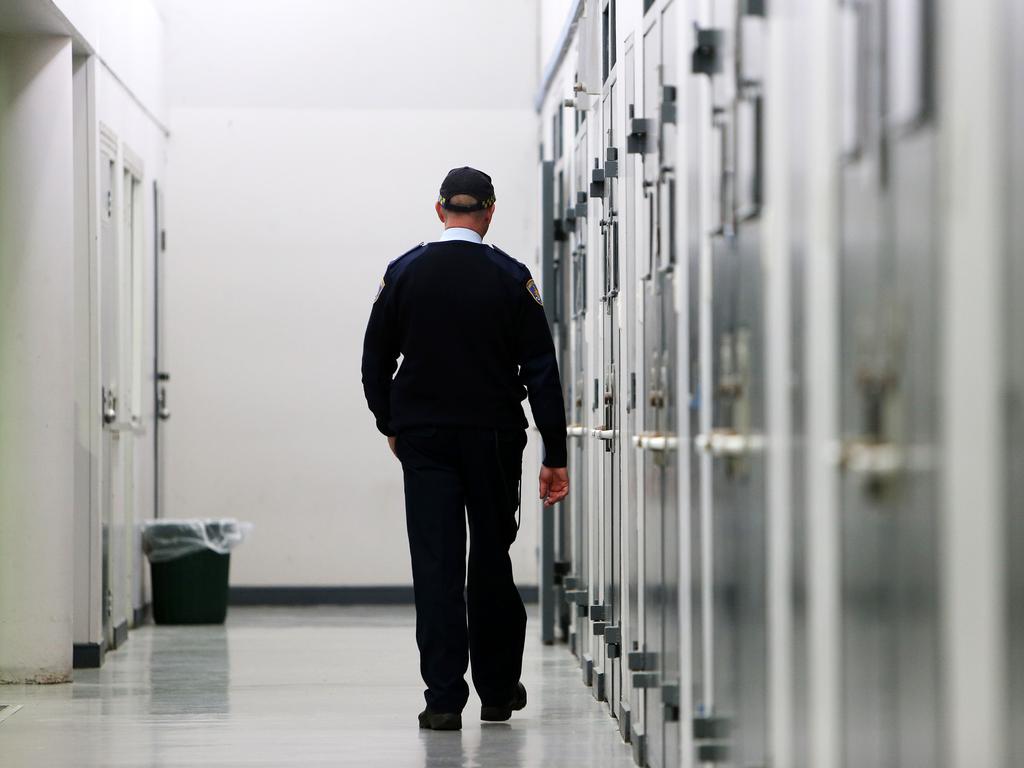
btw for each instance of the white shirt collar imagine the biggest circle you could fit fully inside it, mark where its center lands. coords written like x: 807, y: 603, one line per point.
x: 461, y: 233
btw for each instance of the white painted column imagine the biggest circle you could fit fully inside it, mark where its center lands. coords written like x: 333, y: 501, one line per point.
x: 972, y: 94
x: 821, y: 302
x: 36, y: 360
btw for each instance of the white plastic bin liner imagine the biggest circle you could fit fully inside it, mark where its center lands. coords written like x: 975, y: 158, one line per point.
x: 164, y: 540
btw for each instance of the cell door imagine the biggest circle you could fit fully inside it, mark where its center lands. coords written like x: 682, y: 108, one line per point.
x: 563, y: 299
x: 738, y: 420
x: 112, y: 469
x: 579, y: 589
x: 888, y: 316
x: 627, y: 633
x: 604, y: 187
x: 672, y: 400
x: 1014, y: 469
x: 695, y: 102
x: 655, y: 667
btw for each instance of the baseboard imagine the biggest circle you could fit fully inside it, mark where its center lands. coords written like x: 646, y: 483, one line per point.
x: 88, y: 655
x: 355, y: 595
x: 120, y: 634
x: 142, y: 615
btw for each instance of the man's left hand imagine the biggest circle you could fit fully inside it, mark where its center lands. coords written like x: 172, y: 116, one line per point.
x: 391, y: 445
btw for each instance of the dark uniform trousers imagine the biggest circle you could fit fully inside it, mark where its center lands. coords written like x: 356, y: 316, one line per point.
x: 449, y: 472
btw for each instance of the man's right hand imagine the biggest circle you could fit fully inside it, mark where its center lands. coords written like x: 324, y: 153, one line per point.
x: 554, y: 485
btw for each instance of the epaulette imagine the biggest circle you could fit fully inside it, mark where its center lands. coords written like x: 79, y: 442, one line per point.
x: 407, y: 253
x: 515, y: 262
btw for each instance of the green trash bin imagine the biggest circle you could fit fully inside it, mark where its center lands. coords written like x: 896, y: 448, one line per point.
x: 189, y: 564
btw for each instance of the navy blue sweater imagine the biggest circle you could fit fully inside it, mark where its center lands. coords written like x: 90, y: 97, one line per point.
x: 469, y: 324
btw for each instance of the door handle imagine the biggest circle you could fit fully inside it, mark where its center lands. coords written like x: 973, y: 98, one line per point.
x: 726, y: 443
x: 871, y: 459
x: 604, y: 434
x: 655, y: 442
x: 575, y: 430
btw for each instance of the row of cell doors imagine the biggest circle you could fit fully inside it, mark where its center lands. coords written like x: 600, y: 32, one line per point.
x: 617, y: 316
x: 663, y: 546
x: 131, y: 401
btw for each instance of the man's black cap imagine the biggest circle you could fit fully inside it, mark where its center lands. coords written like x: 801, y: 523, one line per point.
x: 467, y: 181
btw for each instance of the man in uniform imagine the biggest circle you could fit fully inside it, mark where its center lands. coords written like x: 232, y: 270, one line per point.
x: 469, y: 323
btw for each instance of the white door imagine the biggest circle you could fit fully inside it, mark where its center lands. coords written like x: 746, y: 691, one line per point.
x: 115, y: 619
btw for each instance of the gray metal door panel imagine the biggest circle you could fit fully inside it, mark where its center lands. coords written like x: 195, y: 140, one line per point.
x: 581, y: 400
x: 662, y: 507
x: 628, y: 400
x: 796, y: 126
x: 674, y: 401
x: 888, y: 317
x: 738, y: 476
x: 605, y: 187
x: 653, y: 422
x: 697, y: 230
x: 563, y: 311
x: 1015, y: 369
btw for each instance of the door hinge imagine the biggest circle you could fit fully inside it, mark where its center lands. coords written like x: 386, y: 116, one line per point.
x: 611, y: 163
x: 706, y: 58
x: 640, y: 129
x: 642, y: 661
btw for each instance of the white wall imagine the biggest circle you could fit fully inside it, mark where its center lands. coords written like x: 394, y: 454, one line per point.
x: 308, y: 142
x: 36, y: 360
x: 128, y: 37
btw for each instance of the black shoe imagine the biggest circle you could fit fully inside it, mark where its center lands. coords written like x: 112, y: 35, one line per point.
x: 440, y: 721
x: 501, y: 713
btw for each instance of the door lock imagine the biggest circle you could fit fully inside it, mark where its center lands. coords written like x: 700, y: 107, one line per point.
x: 108, y: 406
x: 162, y: 411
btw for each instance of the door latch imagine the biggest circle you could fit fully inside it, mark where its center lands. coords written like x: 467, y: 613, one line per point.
x: 162, y: 412
x: 108, y: 406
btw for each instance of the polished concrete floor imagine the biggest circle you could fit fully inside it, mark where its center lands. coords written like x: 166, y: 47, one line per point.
x: 295, y: 687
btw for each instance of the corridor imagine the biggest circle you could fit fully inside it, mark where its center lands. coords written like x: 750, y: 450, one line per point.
x: 322, y: 686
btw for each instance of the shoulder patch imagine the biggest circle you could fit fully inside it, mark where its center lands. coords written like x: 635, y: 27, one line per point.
x: 532, y: 288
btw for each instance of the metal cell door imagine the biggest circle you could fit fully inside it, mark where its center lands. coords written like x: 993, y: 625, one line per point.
x: 627, y: 633
x: 656, y: 666
x: 604, y: 187
x: 695, y: 103
x: 112, y: 475
x: 672, y: 400
x: 643, y: 659
x: 563, y: 313
x: 735, y: 440
x: 889, y: 586
x: 796, y: 135
x: 1014, y: 285
x: 578, y: 583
